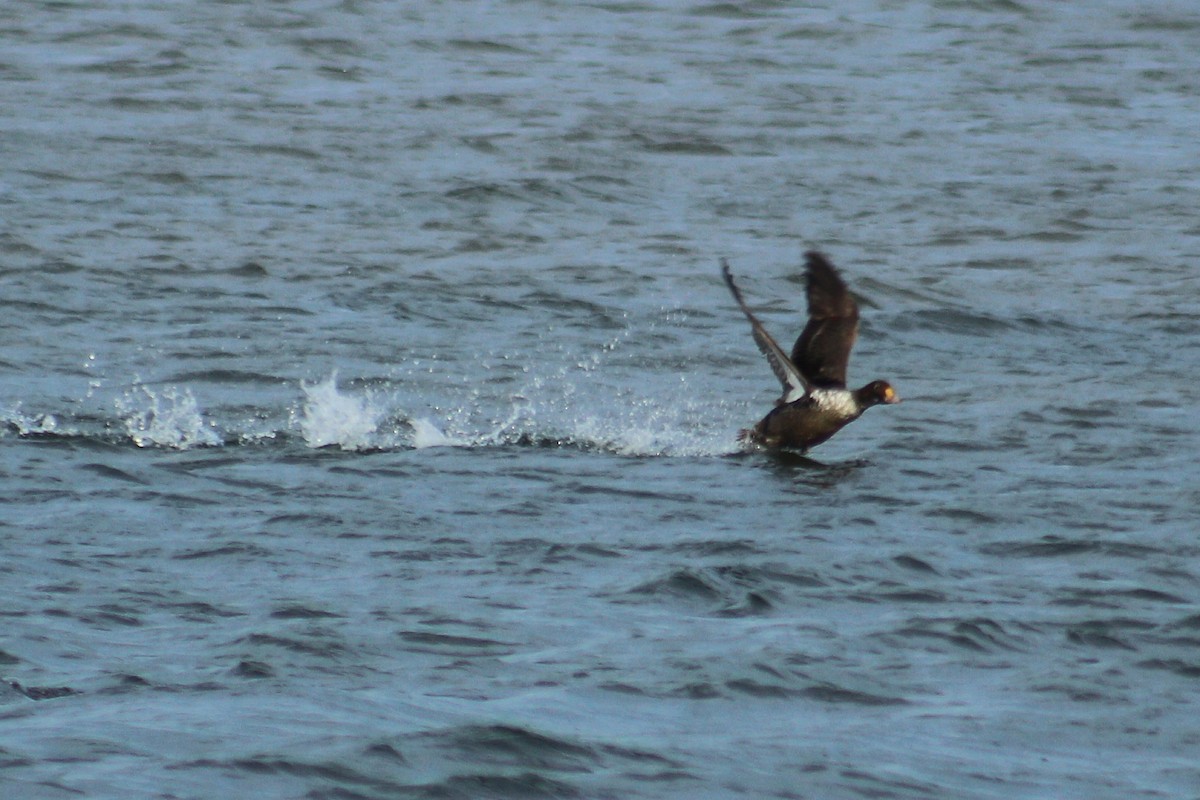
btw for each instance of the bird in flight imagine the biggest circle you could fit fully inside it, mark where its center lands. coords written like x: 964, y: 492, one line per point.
x: 815, y: 403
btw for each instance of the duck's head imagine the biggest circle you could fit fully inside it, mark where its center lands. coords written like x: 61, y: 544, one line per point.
x: 878, y: 393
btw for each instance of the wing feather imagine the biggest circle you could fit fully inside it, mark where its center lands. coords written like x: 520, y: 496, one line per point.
x: 822, y: 351
x: 794, y: 385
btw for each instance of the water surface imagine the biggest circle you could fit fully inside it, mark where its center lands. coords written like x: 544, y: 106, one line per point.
x: 370, y: 398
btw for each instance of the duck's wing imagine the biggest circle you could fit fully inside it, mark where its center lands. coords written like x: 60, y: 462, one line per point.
x: 823, y: 349
x: 794, y: 385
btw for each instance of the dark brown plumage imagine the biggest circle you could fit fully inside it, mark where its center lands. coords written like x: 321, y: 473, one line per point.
x: 822, y: 350
x: 816, y: 403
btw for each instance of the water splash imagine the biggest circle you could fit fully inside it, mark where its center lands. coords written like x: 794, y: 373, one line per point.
x: 427, y: 434
x: 569, y: 392
x: 27, y: 425
x: 573, y: 405
x: 167, y: 418
x: 330, y: 417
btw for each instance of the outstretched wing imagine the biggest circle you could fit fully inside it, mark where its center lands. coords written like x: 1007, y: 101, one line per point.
x: 823, y: 349
x: 794, y: 385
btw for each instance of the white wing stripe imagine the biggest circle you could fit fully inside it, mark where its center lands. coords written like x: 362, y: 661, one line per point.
x: 794, y: 385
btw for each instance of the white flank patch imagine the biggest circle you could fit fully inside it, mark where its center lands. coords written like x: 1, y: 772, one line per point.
x: 838, y: 401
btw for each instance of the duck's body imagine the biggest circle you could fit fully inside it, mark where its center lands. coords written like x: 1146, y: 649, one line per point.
x: 809, y: 421
x: 816, y: 403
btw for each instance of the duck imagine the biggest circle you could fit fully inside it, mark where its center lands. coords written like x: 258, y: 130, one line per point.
x: 815, y: 403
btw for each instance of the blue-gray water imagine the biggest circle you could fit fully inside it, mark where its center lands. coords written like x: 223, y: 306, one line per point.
x: 370, y: 399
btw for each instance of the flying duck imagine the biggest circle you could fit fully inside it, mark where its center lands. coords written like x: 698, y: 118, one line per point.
x: 816, y: 403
